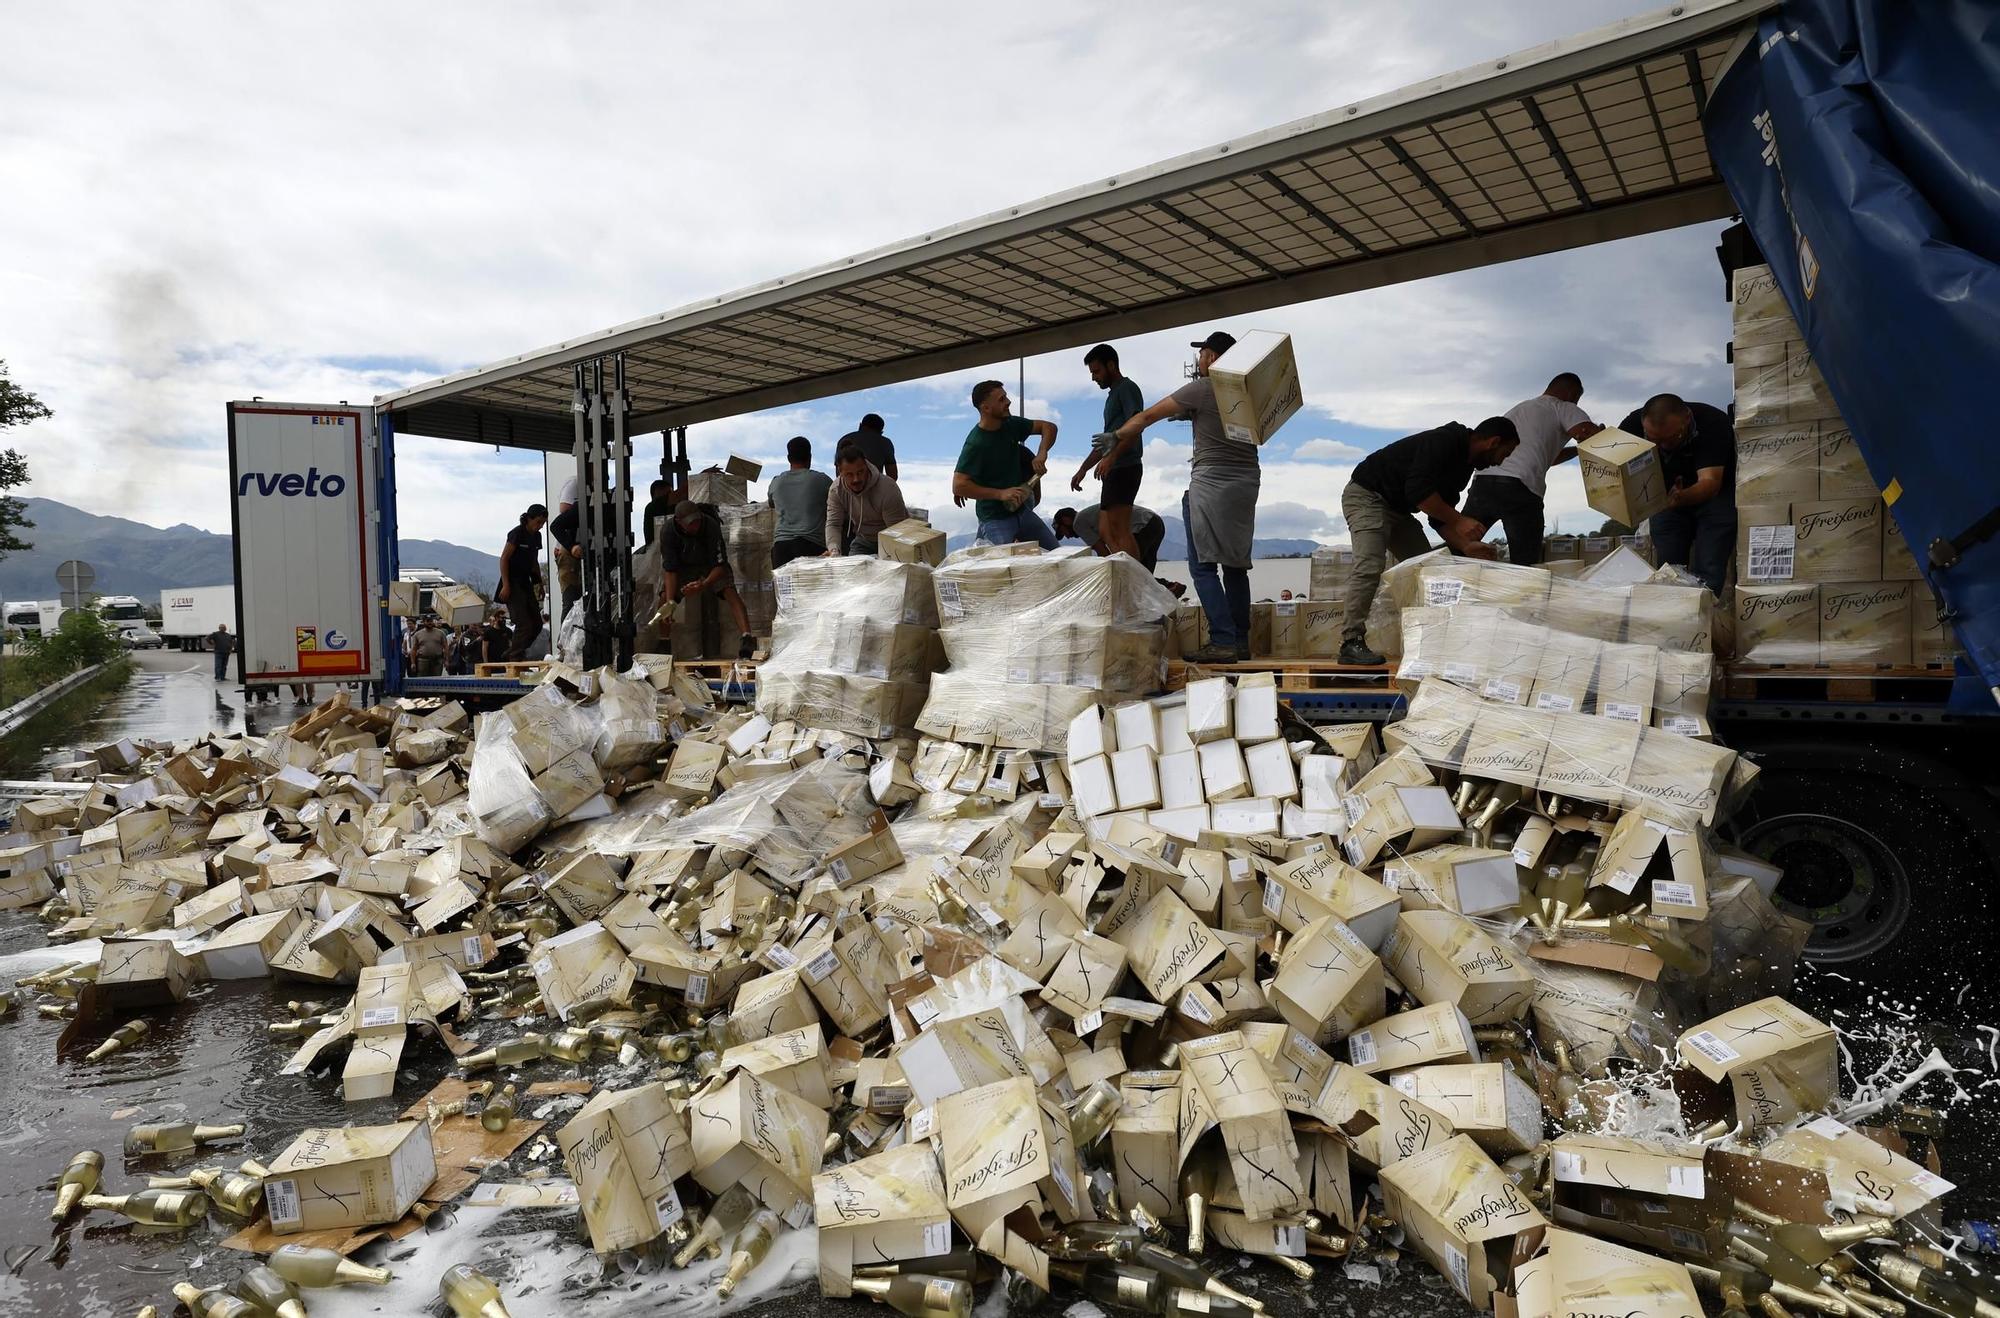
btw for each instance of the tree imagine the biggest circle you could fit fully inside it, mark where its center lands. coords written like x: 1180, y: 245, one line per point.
x: 81, y: 639
x: 17, y: 408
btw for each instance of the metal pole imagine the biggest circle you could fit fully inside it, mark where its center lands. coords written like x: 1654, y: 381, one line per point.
x: 620, y: 522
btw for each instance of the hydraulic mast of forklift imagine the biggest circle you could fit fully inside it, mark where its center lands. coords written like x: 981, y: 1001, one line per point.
x: 604, y: 512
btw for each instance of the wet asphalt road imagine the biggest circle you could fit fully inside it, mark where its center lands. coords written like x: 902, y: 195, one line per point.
x: 211, y: 1061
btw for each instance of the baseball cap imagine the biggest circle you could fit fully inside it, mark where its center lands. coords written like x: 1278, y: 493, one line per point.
x: 1217, y: 342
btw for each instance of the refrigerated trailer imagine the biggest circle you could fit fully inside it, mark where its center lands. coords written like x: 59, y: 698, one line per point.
x: 1838, y: 129
x: 189, y: 615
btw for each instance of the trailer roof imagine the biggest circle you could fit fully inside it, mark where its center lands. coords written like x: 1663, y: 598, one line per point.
x: 1571, y: 142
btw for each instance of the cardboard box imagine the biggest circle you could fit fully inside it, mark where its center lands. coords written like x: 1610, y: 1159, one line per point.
x: 874, y: 852
x: 1272, y: 773
x: 1838, y: 539
x: 744, y: 467
x: 1759, y: 313
x: 1566, y: 1273
x: 888, y: 1206
x: 624, y: 1149
x: 1004, y: 1149
x: 1462, y: 1214
x: 1135, y: 778
x: 1600, y: 1014
x: 1865, y: 623
x: 1382, y: 1125
x: 1224, y: 776
x: 1256, y: 716
x: 404, y: 599
x: 912, y: 541
x: 1329, y: 983
x: 1485, y: 1100
x: 1622, y: 478
x: 1468, y: 880
x: 1677, y: 780
x: 1778, y: 464
x: 1405, y: 818
x: 1843, y: 473
x: 1428, y: 1036
x: 1211, y: 710
x: 1168, y: 946
x: 1145, y: 1140
x: 1226, y: 1083
x: 1256, y: 386
x: 1442, y: 957
x: 761, y: 1136
x: 1778, y: 1062
x: 141, y: 972
x: 457, y: 605
x: 581, y: 966
x: 352, y: 1176
x: 1777, y: 624
x: 1850, y: 1159
x: 1658, y: 862
x: 246, y: 949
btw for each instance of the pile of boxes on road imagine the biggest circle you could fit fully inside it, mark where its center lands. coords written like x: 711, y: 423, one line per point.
x: 1173, y: 1005
x: 1823, y: 576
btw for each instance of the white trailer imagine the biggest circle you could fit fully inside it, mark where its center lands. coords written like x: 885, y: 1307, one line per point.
x: 189, y: 615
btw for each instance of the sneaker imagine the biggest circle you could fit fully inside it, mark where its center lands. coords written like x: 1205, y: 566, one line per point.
x: 1355, y: 652
x: 1213, y: 654
x: 748, y: 647
x: 1242, y: 654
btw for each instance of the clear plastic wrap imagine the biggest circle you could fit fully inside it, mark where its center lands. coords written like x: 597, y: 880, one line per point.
x: 781, y: 825
x: 543, y: 757
x: 1672, y: 777
x: 1490, y: 652
x: 853, y: 646
x: 749, y: 530
x: 1033, y: 639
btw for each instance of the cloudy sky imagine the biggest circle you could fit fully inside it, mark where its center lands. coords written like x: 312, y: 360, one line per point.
x: 316, y: 202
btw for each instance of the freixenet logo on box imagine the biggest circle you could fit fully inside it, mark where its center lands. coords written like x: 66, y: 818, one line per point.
x: 288, y: 483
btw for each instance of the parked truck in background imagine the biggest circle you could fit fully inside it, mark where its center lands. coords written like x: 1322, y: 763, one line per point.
x: 189, y: 615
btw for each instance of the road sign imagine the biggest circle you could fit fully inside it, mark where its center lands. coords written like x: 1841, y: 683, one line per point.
x: 75, y: 577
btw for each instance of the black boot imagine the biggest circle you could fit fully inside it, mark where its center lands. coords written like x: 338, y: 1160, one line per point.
x: 1358, y: 653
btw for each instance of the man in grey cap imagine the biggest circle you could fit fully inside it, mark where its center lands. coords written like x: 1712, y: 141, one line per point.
x: 1219, y: 508
x: 691, y: 551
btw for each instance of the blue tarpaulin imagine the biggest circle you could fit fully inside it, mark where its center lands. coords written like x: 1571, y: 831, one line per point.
x: 1861, y: 140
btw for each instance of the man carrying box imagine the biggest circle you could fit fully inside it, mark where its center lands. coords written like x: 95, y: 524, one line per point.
x: 989, y: 470
x: 1512, y: 492
x: 1219, y: 509
x: 691, y: 550
x: 861, y: 503
x: 1698, y: 460
x: 1422, y: 473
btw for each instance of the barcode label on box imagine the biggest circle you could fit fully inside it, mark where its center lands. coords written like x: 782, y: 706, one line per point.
x: 1193, y: 1007
x: 1674, y: 894
x: 1773, y: 550
x: 1622, y: 711
x: 1443, y: 592
x: 1089, y: 1021
x: 377, y: 1016
x: 1499, y: 688
x: 923, y: 1125
x: 1461, y: 672
x: 1714, y: 1049
x: 1551, y: 700
x: 1687, y: 1181
x: 948, y: 601
x: 1681, y: 725
x: 783, y: 957
x: 1274, y: 898
x: 697, y: 989
x: 282, y: 1199
x: 1460, y: 1277
x: 473, y: 950
x: 821, y: 966
x: 1624, y: 881
x: 937, y: 1238
x: 1569, y: 1166
x: 841, y: 874
x: 1361, y: 1048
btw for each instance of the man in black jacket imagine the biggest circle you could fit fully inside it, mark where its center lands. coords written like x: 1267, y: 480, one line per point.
x: 1422, y: 473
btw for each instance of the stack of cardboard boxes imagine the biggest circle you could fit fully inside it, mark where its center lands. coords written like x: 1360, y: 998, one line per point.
x: 853, y: 646
x: 1823, y: 576
x: 1034, y: 639
x: 749, y: 530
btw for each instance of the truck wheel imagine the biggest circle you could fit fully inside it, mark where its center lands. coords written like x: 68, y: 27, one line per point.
x: 1889, y: 855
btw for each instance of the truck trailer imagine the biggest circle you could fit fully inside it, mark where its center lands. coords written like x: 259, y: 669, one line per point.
x: 189, y: 615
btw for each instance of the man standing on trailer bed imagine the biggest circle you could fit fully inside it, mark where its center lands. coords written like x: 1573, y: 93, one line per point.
x: 521, y: 578
x: 1511, y: 494
x: 990, y: 470
x: 693, y: 562
x: 1117, y: 462
x: 1219, y: 509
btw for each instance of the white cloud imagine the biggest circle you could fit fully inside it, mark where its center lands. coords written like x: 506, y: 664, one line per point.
x: 1332, y: 449
x: 205, y: 224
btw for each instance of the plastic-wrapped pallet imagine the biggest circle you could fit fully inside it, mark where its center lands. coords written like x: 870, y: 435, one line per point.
x: 1031, y: 640
x: 748, y: 530
x: 852, y: 647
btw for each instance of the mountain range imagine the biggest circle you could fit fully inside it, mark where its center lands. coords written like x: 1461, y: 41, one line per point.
x: 133, y: 558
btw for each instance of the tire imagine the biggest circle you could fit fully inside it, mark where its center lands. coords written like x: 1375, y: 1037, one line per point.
x: 1891, y: 855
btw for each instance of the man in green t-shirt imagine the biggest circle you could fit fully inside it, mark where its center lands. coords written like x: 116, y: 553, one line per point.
x: 1116, y: 461
x: 989, y: 470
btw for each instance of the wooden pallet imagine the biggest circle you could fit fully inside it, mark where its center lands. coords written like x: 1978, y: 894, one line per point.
x: 1840, y: 683
x: 719, y: 670
x: 518, y: 669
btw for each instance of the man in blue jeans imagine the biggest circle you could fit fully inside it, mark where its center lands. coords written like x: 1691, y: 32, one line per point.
x: 989, y: 470
x: 1698, y: 460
